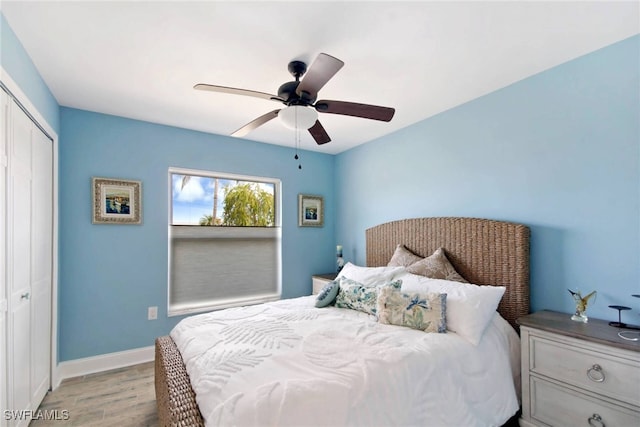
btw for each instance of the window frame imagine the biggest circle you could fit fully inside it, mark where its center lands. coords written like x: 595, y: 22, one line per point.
x: 223, y: 232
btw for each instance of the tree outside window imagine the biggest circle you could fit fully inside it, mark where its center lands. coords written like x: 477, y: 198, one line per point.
x: 196, y: 201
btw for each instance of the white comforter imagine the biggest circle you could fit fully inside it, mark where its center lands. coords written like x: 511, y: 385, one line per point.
x: 288, y: 363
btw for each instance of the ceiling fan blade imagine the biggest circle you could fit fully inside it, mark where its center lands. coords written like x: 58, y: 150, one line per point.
x: 254, y: 124
x: 235, y: 91
x: 319, y: 134
x: 365, y: 111
x: 323, y: 68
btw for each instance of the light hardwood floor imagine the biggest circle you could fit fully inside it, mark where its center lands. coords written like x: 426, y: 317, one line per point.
x: 121, y: 397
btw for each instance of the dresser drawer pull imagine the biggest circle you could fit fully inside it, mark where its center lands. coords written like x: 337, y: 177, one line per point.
x: 595, y: 374
x: 595, y: 420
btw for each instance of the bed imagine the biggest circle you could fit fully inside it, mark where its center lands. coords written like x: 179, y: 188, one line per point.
x: 485, y: 252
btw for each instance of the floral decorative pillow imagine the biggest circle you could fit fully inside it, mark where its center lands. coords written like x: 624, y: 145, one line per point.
x: 356, y: 296
x: 436, y: 266
x: 470, y: 308
x: 425, y: 312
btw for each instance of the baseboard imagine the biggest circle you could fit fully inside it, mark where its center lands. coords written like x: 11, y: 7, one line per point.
x: 103, y: 362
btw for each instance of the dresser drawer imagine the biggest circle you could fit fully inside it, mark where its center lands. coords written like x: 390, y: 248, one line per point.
x: 556, y: 405
x: 584, y: 366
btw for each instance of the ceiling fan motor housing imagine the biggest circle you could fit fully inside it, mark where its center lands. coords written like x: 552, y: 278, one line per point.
x: 288, y: 92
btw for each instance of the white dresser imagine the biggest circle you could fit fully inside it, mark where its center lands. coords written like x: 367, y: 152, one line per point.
x: 577, y: 374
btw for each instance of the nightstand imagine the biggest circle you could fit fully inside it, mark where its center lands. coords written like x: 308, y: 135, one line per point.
x: 577, y: 374
x: 319, y: 280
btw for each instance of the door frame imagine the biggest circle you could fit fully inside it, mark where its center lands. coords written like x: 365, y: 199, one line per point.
x: 24, y: 100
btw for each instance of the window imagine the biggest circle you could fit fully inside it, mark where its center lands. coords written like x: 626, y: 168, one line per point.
x: 224, y: 240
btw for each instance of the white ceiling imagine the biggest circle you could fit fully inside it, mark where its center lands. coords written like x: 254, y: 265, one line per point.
x: 141, y: 59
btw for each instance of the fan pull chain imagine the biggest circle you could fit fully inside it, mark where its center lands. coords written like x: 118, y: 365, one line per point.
x: 297, y: 139
x: 297, y: 145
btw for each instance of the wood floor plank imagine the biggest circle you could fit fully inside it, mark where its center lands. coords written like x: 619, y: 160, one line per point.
x: 123, y: 397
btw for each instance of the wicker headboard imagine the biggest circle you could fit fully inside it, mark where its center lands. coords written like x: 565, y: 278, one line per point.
x: 483, y: 251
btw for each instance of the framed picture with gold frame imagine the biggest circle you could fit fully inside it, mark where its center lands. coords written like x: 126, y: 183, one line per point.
x: 310, y: 210
x: 116, y: 201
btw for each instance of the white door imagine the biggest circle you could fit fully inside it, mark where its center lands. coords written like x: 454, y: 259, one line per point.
x: 41, y: 268
x: 19, y: 254
x: 29, y: 254
x: 4, y: 110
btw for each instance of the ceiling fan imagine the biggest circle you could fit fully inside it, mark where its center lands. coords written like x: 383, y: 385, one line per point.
x: 299, y: 96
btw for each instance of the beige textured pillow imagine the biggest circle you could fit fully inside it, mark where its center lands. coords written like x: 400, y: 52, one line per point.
x: 436, y: 266
x: 403, y: 257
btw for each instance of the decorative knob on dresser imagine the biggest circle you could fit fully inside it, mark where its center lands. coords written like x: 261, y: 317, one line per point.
x: 595, y: 373
x: 595, y: 420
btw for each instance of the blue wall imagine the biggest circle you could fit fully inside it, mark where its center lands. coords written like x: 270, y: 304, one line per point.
x: 17, y: 63
x: 559, y: 151
x: 110, y: 274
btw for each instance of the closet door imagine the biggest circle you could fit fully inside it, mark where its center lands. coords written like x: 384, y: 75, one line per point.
x: 41, y: 256
x: 19, y: 254
x: 29, y: 232
x: 4, y: 111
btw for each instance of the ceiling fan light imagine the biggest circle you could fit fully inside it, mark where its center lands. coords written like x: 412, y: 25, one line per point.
x: 304, y: 117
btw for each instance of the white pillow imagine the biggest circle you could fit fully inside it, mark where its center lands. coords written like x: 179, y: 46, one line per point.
x: 370, y: 276
x: 470, y: 308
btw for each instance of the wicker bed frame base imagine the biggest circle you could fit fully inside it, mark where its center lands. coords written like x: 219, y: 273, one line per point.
x: 485, y: 252
x: 175, y: 398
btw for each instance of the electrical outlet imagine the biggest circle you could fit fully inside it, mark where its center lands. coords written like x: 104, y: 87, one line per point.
x: 152, y: 313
